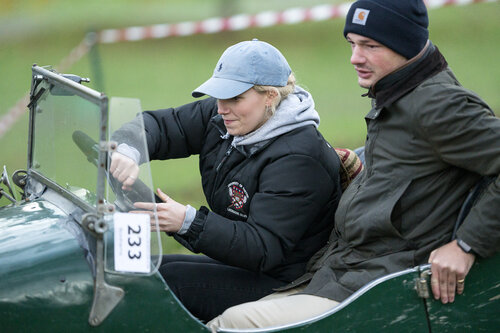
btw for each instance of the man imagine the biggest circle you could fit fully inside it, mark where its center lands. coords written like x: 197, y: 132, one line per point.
x: 429, y: 141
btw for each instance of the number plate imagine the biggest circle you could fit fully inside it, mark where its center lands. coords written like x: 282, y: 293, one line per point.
x: 132, y: 242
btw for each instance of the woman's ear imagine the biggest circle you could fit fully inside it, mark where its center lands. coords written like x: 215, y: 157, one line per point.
x: 272, y: 94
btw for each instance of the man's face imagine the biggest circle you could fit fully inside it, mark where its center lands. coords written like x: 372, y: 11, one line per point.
x: 372, y: 60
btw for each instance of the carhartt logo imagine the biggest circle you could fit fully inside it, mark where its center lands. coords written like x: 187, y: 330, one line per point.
x: 360, y: 16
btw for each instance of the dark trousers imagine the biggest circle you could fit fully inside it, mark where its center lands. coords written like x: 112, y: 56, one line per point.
x: 207, y: 287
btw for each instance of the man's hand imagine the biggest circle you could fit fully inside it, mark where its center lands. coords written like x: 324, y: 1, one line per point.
x: 450, y: 265
x: 124, y: 169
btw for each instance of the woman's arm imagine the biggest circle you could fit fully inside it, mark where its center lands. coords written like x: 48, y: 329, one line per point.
x: 169, y: 133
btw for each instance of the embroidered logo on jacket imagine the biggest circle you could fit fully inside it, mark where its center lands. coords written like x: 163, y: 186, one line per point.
x: 238, y: 195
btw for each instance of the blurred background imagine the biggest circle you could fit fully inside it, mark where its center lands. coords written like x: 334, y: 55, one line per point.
x: 163, y: 72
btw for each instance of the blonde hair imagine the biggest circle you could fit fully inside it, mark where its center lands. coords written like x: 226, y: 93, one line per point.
x: 281, y: 92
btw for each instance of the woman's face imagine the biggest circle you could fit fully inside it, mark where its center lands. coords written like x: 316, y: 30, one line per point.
x: 244, y: 113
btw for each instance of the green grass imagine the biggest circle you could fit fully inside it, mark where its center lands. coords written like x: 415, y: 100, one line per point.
x: 162, y: 73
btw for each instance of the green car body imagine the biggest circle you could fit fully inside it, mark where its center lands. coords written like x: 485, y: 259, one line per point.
x: 54, y: 276
x: 47, y: 285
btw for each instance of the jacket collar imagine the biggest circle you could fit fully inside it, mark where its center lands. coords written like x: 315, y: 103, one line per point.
x: 397, y: 84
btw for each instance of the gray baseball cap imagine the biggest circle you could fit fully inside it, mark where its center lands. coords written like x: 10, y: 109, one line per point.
x: 244, y: 65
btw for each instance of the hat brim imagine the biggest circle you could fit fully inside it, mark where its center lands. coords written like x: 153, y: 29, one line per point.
x: 221, y: 88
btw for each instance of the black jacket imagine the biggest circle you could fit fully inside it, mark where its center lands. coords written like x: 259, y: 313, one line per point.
x: 272, y: 204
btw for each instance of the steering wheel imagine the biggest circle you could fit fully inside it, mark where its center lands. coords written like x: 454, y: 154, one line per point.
x: 125, y: 199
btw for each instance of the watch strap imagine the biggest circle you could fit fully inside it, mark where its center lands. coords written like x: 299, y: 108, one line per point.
x: 464, y: 246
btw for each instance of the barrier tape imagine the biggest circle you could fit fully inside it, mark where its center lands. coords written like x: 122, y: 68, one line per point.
x: 243, y: 21
x: 15, y: 112
x: 208, y: 26
x: 218, y: 24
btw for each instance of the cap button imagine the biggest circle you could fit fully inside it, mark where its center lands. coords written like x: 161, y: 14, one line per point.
x: 255, y: 39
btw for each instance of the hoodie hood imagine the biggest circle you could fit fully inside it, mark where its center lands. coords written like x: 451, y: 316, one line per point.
x: 297, y: 110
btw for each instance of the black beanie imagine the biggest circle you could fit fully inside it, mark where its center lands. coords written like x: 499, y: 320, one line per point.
x: 401, y: 25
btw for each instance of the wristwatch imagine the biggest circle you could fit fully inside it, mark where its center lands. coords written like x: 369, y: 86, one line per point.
x: 464, y: 246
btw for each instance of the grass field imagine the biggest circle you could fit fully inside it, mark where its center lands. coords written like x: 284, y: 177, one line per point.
x: 163, y: 73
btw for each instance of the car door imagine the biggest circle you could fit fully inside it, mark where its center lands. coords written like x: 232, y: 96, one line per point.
x: 388, y: 304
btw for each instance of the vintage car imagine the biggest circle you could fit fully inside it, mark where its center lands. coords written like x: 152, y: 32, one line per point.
x: 73, y: 260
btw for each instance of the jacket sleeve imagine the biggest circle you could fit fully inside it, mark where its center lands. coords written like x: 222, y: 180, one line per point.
x: 292, y: 192
x: 465, y: 133
x: 170, y: 133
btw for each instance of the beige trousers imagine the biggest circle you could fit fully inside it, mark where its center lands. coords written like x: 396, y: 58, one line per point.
x: 273, y: 310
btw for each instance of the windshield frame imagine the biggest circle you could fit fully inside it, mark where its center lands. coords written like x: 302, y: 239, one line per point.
x: 100, y: 211
x: 40, y: 74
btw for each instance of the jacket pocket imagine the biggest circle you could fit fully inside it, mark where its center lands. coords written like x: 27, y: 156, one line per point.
x: 371, y: 230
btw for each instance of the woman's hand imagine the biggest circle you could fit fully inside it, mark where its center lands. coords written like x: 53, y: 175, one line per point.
x: 170, y: 213
x: 124, y: 169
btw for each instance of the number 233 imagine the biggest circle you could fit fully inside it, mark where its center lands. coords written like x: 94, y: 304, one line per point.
x: 134, y: 240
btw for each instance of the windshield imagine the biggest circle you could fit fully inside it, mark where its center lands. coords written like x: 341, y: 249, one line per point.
x: 126, y: 251
x: 58, y: 115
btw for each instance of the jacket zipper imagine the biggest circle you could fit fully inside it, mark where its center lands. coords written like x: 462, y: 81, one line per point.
x: 217, y: 174
x: 226, y: 155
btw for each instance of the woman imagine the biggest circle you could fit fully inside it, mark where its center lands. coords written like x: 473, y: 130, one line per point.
x: 272, y: 182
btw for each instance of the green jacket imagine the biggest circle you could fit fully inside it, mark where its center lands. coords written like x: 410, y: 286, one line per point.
x: 429, y: 141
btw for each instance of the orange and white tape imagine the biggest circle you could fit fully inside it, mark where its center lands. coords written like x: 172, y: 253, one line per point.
x: 15, y: 112
x: 219, y: 24
x: 244, y: 21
